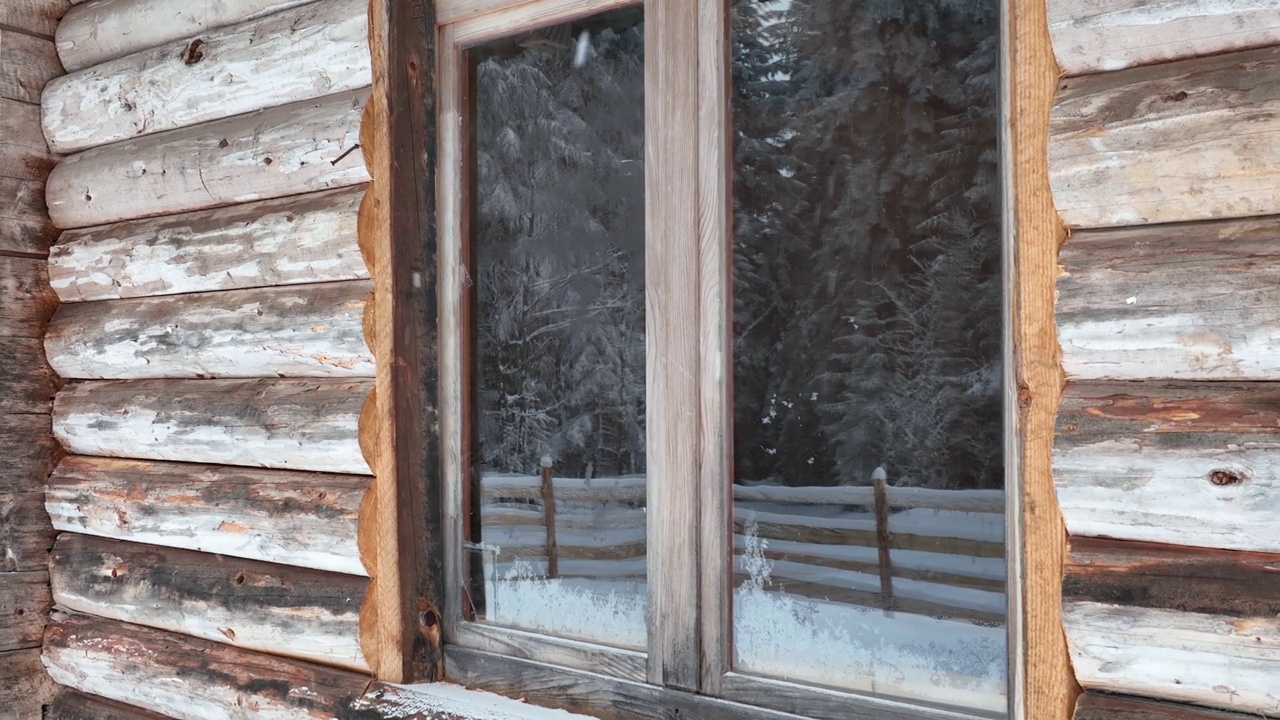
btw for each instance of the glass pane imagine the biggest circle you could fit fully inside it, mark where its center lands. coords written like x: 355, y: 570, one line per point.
x: 868, y: 490
x: 556, y: 537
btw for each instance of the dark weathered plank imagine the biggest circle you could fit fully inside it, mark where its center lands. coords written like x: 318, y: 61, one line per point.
x: 278, y: 609
x: 1186, y: 464
x: 39, y: 17
x: 24, y: 223
x: 23, y: 154
x: 26, y: 64
x: 1103, y: 706
x: 306, y: 519
x: 25, y: 532
x: 24, y: 605
x: 1190, y: 301
x: 28, y: 299
x: 24, y: 686
x: 71, y: 705
x: 286, y: 424
x: 29, y: 452
x: 27, y: 383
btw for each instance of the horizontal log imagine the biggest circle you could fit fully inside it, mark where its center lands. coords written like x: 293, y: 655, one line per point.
x: 28, y: 299
x: 24, y: 220
x: 1104, y: 706
x: 24, y: 605
x: 95, y: 32
x: 1091, y: 36
x: 310, y: 51
x: 29, y: 450
x: 38, y: 17
x: 1212, y: 660
x: 23, y: 153
x: 26, y: 64
x: 25, y: 533
x: 24, y: 685
x: 1195, y: 139
x: 287, y: 241
x: 27, y: 384
x: 1186, y: 464
x: 299, y: 331
x: 282, y: 610
x: 72, y: 705
x: 292, y: 518
x: 1192, y: 301
x: 287, y: 150
x: 286, y: 424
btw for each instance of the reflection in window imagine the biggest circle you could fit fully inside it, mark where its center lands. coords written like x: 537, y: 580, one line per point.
x: 868, y: 513
x: 557, y: 533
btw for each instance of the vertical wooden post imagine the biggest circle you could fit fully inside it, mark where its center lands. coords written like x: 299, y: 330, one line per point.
x: 882, y: 543
x: 549, y: 518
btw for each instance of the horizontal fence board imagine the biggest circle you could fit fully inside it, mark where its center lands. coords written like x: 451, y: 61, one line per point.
x: 1134, y: 303
x: 298, y: 331
x: 39, y: 17
x: 282, y: 610
x: 25, y: 532
x: 1091, y: 36
x: 27, y: 384
x: 30, y: 451
x: 28, y: 299
x: 287, y: 150
x: 1186, y: 464
x: 94, y: 32
x: 306, y: 519
x: 286, y: 241
x: 24, y: 686
x: 24, y: 605
x: 1195, y: 139
x: 1104, y: 706
x: 23, y: 153
x: 72, y: 705
x: 26, y: 64
x: 286, y: 424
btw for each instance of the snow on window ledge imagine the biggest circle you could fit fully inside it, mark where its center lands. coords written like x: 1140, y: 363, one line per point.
x: 445, y: 701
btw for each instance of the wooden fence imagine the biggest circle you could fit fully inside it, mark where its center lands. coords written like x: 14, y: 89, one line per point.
x: 852, y: 545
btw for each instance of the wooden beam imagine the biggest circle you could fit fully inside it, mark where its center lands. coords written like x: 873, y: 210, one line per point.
x: 1206, y: 127
x: 287, y: 241
x: 277, y: 609
x: 26, y: 64
x: 27, y: 384
x: 288, y: 150
x: 30, y: 452
x: 37, y: 17
x: 71, y: 705
x: 24, y: 606
x: 1133, y: 303
x: 24, y: 686
x: 23, y: 153
x: 1184, y: 463
x: 25, y: 533
x: 24, y: 219
x: 1104, y: 706
x: 305, y: 519
x: 286, y: 424
x: 28, y: 300
x: 291, y: 331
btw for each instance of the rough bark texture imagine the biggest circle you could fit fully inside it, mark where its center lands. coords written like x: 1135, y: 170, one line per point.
x: 292, y: 518
x: 25, y: 532
x: 71, y: 705
x: 1103, y: 706
x: 288, y: 241
x: 24, y: 686
x: 282, y: 610
x: 287, y: 150
x: 24, y: 606
x: 286, y: 424
x: 301, y: 331
x: 317, y: 49
x: 26, y: 64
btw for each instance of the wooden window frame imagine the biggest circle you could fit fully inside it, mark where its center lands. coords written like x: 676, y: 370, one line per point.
x: 410, y: 525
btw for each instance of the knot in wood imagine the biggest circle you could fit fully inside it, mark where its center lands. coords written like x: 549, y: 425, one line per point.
x: 1225, y: 477
x: 1174, y: 97
x: 193, y: 54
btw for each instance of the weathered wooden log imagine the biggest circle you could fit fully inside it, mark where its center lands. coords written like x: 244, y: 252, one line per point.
x: 23, y: 153
x: 299, y: 331
x: 95, y: 32
x: 27, y: 384
x: 288, y: 150
x: 30, y: 452
x: 24, y: 605
x: 38, y: 17
x: 24, y: 685
x: 72, y: 705
x: 24, y: 220
x: 1193, y: 301
x: 286, y: 424
x: 1206, y: 128
x: 28, y: 300
x: 287, y: 241
x: 292, y: 518
x: 282, y: 610
x: 26, y: 64
x: 1091, y: 36
x: 1187, y: 464
x: 1104, y: 706
x: 317, y: 49
x: 25, y: 532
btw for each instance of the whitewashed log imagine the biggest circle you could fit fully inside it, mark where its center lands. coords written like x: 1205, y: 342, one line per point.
x: 287, y: 241
x: 1191, y: 140
x: 306, y: 519
x: 289, y: 150
x: 94, y: 32
x: 286, y: 424
x: 1091, y: 36
x: 306, y: 52
x: 1212, y: 660
x: 23, y: 153
x: 1194, y: 301
x: 293, y: 331
x: 27, y: 63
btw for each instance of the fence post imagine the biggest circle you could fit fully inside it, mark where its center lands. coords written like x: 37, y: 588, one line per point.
x: 882, y: 543
x: 549, y: 518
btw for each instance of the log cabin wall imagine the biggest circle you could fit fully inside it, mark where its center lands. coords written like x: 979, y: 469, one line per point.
x: 1165, y: 164
x: 27, y: 449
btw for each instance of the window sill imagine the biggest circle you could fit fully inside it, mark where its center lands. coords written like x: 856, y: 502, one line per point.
x: 446, y: 701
